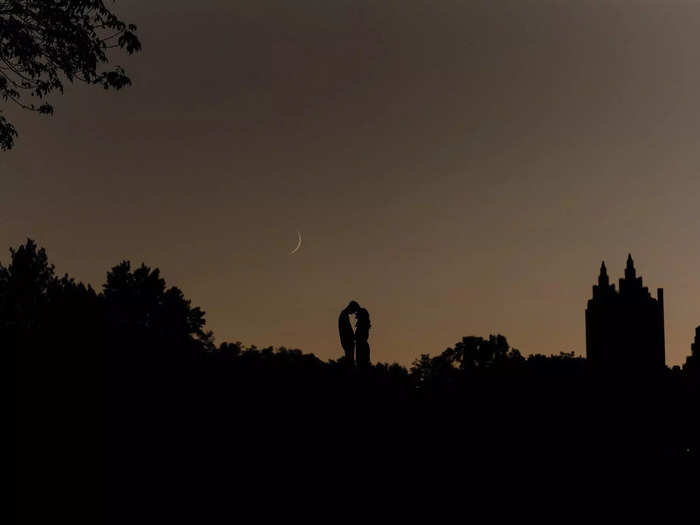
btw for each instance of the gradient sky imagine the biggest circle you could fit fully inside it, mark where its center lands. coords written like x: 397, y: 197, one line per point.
x: 459, y: 168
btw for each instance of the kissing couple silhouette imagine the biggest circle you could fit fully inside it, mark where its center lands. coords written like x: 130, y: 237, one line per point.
x: 355, y: 343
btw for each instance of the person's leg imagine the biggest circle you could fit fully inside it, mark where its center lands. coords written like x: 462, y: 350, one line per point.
x: 363, y: 354
x: 349, y: 357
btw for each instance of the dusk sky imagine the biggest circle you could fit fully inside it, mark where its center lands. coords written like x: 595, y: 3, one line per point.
x: 458, y: 168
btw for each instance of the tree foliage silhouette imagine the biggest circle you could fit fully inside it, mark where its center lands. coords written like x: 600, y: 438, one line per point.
x: 48, y: 318
x: 473, y: 353
x: 24, y: 287
x: 34, y: 302
x: 143, y: 315
x: 43, y: 44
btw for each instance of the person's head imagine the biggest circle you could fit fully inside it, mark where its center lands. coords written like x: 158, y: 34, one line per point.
x: 352, y: 307
x: 362, y: 316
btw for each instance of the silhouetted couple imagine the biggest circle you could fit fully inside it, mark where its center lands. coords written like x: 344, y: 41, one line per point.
x: 355, y: 343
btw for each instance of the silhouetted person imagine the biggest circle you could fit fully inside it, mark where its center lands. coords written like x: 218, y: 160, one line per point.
x: 361, y: 336
x: 347, y: 336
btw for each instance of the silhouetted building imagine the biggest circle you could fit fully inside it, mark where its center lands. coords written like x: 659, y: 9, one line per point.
x: 625, y: 328
x: 692, y: 362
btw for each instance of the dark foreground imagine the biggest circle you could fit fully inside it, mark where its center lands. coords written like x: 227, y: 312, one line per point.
x: 213, y: 435
x: 205, y: 436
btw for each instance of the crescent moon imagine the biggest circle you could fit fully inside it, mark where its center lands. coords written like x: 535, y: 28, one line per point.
x: 295, y: 250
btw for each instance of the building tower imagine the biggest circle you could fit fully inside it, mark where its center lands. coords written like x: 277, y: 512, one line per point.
x: 625, y: 328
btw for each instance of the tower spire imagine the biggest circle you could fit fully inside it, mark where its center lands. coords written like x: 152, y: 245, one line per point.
x: 603, y: 279
x: 630, y: 272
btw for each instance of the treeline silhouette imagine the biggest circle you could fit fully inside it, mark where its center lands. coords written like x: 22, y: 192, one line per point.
x: 125, y: 390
